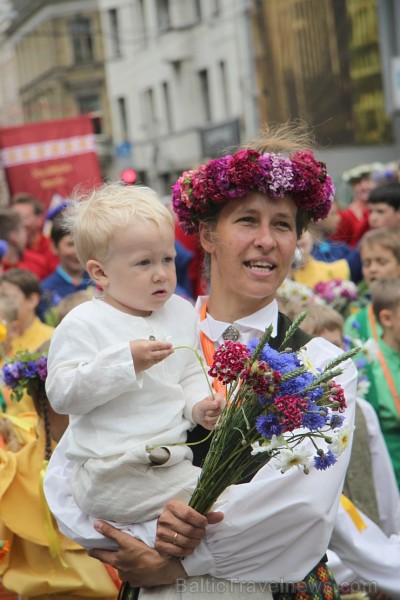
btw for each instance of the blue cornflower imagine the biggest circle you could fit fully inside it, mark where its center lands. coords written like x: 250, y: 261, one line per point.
x: 355, y: 324
x: 324, y: 460
x: 282, y: 362
x: 297, y: 384
x: 313, y: 419
x: 268, y: 425
x: 336, y: 421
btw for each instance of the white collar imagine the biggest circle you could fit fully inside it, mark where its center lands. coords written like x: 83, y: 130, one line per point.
x: 254, y: 324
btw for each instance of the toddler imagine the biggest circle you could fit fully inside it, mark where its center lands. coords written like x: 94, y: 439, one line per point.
x: 120, y: 365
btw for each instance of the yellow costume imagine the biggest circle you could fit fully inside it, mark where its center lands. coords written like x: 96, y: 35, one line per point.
x: 316, y: 271
x: 28, y: 569
x: 34, y: 336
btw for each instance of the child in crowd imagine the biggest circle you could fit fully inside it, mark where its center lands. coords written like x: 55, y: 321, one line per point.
x: 328, y: 250
x: 353, y: 220
x: 32, y: 215
x: 17, y: 254
x: 384, y: 372
x: 380, y: 258
x: 372, y: 552
x: 120, y: 365
x: 310, y: 271
x: 41, y: 563
x: 384, y: 206
x: 24, y: 288
x: 69, y: 276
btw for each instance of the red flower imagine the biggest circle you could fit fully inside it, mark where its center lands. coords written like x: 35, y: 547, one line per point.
x: 229, y: 361
x: 291, y: 408
x: 262, y: 379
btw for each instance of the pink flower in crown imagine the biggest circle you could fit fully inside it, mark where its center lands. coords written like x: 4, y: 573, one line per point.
x: 291, y: 407
x: 244, y: 172
x: 229, y: 361
x: 218, y: 182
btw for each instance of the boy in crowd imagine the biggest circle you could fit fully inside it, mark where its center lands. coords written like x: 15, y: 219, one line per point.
x: 384, y: 206
x: 383, y: 373
x: 69, y: 276
x: 380, y: 259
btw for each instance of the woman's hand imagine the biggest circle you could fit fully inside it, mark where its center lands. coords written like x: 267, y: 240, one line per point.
x: 181, y: 528
x: 135, y: 562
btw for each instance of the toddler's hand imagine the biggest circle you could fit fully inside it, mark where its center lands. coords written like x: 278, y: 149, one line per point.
x: 207, y: 411
x: 147, y: 353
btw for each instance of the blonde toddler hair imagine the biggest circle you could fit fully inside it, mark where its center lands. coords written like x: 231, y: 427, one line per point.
x: 322, y: 317
x: 94, y: 218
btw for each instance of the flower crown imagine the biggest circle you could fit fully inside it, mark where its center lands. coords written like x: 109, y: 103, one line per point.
x: 197, y: 193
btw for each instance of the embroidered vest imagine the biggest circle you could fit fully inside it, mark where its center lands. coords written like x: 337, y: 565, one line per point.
x: 359, y: 484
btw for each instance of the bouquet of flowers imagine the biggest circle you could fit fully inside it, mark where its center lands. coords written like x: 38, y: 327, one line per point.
x: 337, y: 293
x: 275, y: 401
x: 25, y: 371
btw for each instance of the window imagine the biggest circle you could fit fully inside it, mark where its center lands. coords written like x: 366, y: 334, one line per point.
x: 123, y: 117
x: 114, y: 31
x: 82, y: 39
x: 224, y: 87
x: 142, y: 22
x: 148, y: 111
x: 167, y: 105
x: 197, y: 9
x: 90, y: 104
x: 163, y: 15
x: 205, y: 94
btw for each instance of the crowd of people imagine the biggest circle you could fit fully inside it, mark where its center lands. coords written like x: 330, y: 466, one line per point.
x: 122, y: 280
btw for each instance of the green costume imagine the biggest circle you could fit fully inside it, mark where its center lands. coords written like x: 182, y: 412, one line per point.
x: 359, y: 325
x: 381, y: 398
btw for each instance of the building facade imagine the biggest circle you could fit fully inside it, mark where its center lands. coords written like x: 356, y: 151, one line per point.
x: 180, y: 82
x: 59, y: 51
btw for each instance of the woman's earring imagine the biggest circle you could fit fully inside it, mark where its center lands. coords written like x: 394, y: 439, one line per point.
x: 297, y: 258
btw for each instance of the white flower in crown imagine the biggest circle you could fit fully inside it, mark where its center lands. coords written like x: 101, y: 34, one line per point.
x: 300, y: 458
x: 341, y: 439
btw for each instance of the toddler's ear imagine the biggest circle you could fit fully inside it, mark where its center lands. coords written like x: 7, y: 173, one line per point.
x: 96, y: 272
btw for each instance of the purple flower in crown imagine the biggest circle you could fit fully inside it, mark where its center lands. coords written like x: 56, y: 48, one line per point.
x: 277, y: 174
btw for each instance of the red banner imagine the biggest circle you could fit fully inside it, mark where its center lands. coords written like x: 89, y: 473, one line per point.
x: 50, y: 158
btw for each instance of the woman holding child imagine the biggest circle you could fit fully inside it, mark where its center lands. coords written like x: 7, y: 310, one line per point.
x: 250, y: 210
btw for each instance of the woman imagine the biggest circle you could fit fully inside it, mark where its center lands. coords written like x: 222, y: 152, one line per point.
x: 250, y: 209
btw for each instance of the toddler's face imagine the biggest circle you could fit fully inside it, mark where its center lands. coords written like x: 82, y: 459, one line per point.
x: 140, y: 274
x: 378, y: 263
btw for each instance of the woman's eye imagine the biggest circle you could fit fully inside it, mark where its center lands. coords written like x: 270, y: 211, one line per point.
x: 246, y: 220
x: 283, y: 225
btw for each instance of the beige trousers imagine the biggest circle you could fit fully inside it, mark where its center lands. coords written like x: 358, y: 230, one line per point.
x: 129, y: 488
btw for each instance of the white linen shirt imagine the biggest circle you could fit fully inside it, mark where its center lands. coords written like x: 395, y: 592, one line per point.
x: 275, y: 528
x: 92, y: 378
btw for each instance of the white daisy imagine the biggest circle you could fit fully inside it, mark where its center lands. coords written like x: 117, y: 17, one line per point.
x: 287, y: 459
x: 341, y: 439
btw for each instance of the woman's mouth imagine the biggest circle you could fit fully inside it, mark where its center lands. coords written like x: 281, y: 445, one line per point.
x: 260, y: 266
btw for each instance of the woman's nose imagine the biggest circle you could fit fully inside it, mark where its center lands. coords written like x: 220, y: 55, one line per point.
x: 263, y: 237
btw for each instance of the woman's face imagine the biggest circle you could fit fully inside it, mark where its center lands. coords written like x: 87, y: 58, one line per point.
x: 251, y: 248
